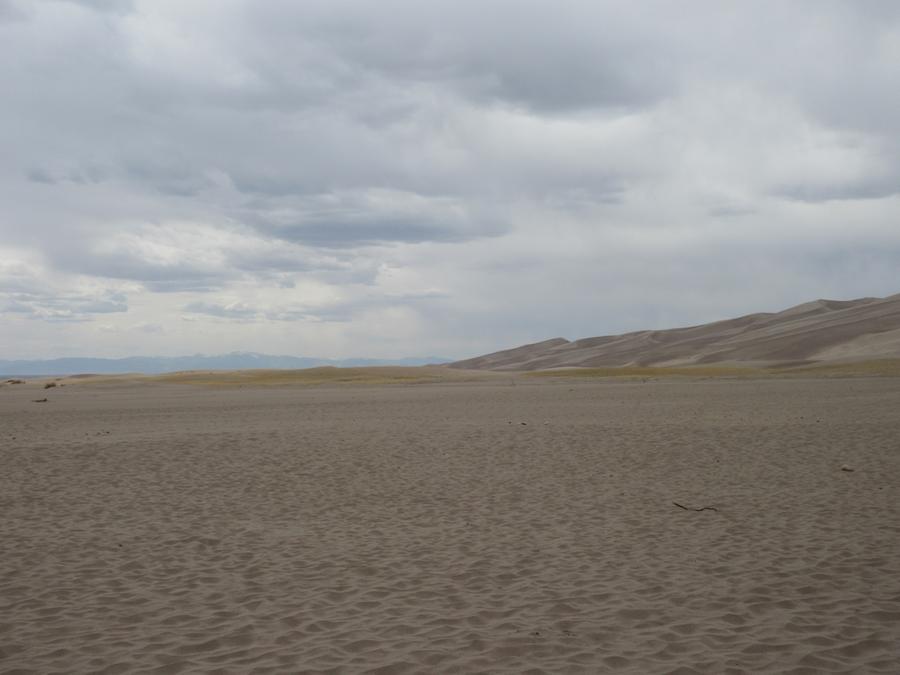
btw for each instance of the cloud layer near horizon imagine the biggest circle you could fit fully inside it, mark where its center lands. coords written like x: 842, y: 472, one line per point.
x: 347, y: 178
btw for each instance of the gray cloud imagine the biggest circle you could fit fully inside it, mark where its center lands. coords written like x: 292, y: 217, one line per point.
x: 446, y: 177
x: 115, y: 6
x: 341, y: 310
x: 374, y: 217
x: 26, y: 290
x: 39, y: 175
x: 731, y: 211
x: 159, y: 277
x: 62, y: 306
x: 10, y: 10
x: 873, y: 188
x: 243, y: 313
x: 566, y: 56
x: 239, y: 312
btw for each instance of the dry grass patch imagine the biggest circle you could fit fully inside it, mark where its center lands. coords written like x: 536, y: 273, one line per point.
x: 318, y: 376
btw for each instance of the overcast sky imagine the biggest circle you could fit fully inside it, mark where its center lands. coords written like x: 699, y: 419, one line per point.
x: 406, y: 177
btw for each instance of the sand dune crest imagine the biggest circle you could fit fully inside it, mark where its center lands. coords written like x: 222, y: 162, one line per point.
x: 815, y: 332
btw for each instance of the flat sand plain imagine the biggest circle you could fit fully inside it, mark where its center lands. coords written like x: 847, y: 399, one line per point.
x: 500, y: 526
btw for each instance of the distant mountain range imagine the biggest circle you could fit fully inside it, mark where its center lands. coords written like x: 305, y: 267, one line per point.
x: 157, y: 364
x: 814, y: 332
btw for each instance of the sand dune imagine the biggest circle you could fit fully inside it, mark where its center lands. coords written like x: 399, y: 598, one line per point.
x: 815, y: 332
x: 473, y: 528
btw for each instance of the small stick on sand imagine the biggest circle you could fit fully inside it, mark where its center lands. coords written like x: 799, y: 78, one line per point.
x: 702, y: 508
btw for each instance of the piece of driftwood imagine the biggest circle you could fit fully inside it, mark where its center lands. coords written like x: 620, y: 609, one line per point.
x: 702, y: 508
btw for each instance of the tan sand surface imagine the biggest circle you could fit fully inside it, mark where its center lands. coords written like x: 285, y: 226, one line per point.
x: 508, y: 526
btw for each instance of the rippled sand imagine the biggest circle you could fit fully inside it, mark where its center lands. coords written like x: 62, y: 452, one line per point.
x: 452, y: 528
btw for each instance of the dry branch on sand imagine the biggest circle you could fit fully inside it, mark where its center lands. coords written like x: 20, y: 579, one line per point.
x: 702, y: 508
